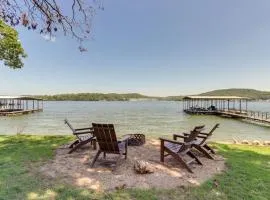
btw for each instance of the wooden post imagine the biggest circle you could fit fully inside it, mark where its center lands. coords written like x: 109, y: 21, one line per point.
x: 183, y: 104
x: 240, y: 106
x: 162, y: 151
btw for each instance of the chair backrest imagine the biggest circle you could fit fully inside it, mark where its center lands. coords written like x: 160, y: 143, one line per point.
x: 213, y: 129
x: 189, y: 141
x: 199, y: 128
x: 106, y: 137
x: 69, y: 125
x: 203, y: 141
x: 193, y: 135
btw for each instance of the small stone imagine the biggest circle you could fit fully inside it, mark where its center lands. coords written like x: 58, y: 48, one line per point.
x: 215, y: 183
x: 182, y: 187
x: 256, y: 142
x: 235, y: 141
x: 245, y: 142
x: 194, y: 182
x: 121, y: 187
x: 143, y: 167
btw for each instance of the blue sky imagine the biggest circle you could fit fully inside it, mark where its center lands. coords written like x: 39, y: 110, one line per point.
x: 153, y: 47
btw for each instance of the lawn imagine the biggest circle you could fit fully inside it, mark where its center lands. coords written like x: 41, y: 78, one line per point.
x: 247, y: 177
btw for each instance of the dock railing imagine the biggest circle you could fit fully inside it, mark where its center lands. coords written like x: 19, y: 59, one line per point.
x: 258, y: 115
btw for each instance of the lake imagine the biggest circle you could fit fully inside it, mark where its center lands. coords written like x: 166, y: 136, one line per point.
x: 153, y: 118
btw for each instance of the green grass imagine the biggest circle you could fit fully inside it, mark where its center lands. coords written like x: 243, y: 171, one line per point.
x: 247, y: 177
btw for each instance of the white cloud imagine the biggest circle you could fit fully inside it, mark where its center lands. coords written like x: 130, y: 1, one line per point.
x: 48, y: 37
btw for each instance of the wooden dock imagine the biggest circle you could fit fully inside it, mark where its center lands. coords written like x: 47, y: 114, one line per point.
x: 262, y: 117
x: 19, y: 112
x: 225, y: 106
x: 19, y: 105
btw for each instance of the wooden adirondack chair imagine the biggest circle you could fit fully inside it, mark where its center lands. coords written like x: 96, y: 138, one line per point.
x: 179, y: 150
x: 196, y: 128
x: 107, y: 141
x: 200, y: 142
x: 84, y: 136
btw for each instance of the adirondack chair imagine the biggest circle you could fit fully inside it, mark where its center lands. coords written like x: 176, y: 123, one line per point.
x: 107, y: 141
x: 188, y: 136
x: 200, y: 142
x: 179, y: 150
x: 84, y: 136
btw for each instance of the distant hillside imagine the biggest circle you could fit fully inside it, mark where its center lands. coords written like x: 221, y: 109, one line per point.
x: 253, y: 94
x: 250, y: 93
x: 92, y: 97
x: 171, y: 98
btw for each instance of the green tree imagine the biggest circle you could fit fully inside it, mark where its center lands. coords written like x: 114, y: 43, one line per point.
x: 11, y: 50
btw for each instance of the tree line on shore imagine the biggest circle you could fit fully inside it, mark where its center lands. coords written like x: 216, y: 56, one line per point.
x: 250, y: 93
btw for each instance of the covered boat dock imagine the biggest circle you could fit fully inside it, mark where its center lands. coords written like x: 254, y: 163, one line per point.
x: 213, y: 104
x: 19, y: 105
x: 227, y: 106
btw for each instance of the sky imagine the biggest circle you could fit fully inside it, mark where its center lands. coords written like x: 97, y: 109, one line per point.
x: 152, y: 47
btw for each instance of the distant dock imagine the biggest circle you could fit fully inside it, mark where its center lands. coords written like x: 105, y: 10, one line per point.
x: 19, y: 105
x: 225, y: 106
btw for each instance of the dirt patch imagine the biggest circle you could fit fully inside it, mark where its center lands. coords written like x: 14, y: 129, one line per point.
x: 107, y: 175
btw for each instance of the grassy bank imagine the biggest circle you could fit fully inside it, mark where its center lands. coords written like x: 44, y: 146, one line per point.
x: 248, y: 175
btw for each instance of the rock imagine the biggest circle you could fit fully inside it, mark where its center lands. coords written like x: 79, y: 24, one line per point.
x: 256, y: 142
x: 215, y: 183
x: 194, y: 182
x: 143, y: 167
x: 235, y: 141
x: 266, y: 143
x: 244, y: 142
x: 121, y: 187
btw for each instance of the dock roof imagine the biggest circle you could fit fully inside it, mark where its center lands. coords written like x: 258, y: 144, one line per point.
x: 19, y: 97
x: 216, y: 97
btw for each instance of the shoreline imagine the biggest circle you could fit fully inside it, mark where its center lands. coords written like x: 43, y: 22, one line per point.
x: 255, y: 142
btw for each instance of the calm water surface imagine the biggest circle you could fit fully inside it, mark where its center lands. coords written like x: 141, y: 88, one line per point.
x: 153, y: 118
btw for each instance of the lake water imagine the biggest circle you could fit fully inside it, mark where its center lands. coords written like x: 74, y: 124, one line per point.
x: 153, y: 118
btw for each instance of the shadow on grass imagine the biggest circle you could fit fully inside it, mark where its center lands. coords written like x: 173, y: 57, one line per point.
x: 247, y: 177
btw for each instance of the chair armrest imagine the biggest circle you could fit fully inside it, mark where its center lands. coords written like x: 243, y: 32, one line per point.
x: 125, y: 138
x: 81, y: 129
x: 171, y: 141
x: 204, y: 133
x: 83, y: 132
x: 178, y: 135
x: 201, y: 136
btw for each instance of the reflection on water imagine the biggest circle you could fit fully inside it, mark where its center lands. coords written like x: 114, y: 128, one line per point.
x: 153, y: 118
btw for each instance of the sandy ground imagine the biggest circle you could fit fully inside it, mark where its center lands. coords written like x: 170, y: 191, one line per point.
x: 107, y: 175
